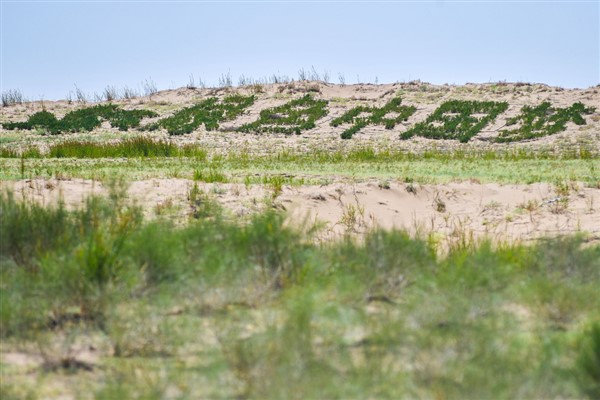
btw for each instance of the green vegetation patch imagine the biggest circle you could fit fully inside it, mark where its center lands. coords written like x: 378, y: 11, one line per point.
x: 377, y: 116
x: 457, y: 119
x: 293, y: 117
x: 543, y: 120
x: 209, y: 112
x: 85, y: 119
x: 135, y: 147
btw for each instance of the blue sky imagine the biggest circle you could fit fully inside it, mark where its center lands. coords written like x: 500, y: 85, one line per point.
x: 48, y: 47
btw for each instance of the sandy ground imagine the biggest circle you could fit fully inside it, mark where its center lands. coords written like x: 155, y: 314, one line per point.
x: 452, y: 213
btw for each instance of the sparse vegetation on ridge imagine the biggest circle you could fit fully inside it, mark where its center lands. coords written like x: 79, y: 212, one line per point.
x: 293, y: 117
x: 458, y: 120
x: 12, y: 97
x: 209, y: 112
x: 377, y: 116
x: 543, y: 120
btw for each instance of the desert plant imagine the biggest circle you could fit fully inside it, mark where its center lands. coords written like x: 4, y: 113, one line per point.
x: 129, y: 93
x: 543, y: 120
x: 293, y: 117
x: 279, y: 79
x: 149, y: 87
x: 225, y: 80
x: 85, y: 119
x: 80, y: 95
x: 209, y: 112
x: 302, y: 75
x: 12, y: 97
x: 110, y: 93
x: 191, y: 83
x: 457, y: 120
x: 376, y: 116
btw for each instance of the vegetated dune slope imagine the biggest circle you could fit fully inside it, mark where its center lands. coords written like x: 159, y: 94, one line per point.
x: 426, y: 98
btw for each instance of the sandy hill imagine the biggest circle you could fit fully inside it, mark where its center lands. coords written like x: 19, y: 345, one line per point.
x: 424, y: 97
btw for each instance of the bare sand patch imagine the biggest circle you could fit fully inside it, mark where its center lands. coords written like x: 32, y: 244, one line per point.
x: 452, y: 212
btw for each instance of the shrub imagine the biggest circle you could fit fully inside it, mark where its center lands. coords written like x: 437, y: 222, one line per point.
x: 149, y: 87
x: 377, y: 117
x: 543, y: 120
x: 110, y: 93
x: 209, y: 112
x: 12, y: 97
x: 293, y: 117
x: 457, y: 120
x: 85, y: 119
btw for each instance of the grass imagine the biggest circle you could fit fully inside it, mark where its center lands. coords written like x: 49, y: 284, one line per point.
x: 255, y: 308
x: 128, y: 148
x: 312, y: 167
x: 135, y: 147
x: 209, y: 112
x: 377, y: 116
x: 85, y: 119
x: 543, y: 120
x: 293, y: 117
x: 458, y: 120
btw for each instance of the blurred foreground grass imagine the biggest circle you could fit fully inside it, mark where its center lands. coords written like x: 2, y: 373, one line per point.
x: 98, y: 303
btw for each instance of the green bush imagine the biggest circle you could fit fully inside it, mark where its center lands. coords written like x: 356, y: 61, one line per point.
x: 293, y: 117
x: 456, y: 120
x: 543, y: 120
x: 85, y: 119
x: 210, y: 113
x: 377, y: 117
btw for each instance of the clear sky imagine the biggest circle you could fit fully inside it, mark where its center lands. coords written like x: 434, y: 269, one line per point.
x: 48, y: 47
